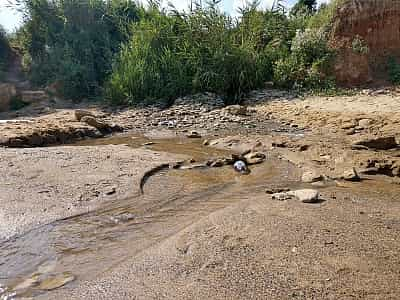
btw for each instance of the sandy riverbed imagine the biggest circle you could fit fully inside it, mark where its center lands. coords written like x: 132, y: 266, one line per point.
x: 237, y: 243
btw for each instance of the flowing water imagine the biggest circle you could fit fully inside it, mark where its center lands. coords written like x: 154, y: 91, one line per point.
x: 82, y: 247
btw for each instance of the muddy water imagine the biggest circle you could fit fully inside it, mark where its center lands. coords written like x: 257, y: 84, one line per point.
x: 61, y: 253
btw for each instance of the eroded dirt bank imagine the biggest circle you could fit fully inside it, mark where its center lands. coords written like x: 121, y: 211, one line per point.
x: 211, y: 233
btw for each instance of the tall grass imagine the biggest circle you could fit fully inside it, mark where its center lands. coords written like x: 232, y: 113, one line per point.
x: 204, y: 50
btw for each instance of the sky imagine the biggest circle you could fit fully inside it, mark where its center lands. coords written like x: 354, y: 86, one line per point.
x: 10, y: 19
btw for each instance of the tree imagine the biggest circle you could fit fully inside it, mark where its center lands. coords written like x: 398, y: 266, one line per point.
x: 304, y: 7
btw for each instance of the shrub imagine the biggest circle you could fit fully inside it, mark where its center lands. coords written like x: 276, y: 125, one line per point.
x: 75, y: 41
x: 309, y: 62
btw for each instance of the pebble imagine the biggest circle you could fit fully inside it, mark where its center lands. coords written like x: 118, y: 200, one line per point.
x: 305, y: 196
x: 311, y: 176
x: 351, y: 175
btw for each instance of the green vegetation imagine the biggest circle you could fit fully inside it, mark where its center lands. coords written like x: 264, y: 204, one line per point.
x: 74, y: 42
x: 394, y: 70
x: 129, y: 53
x: 359, y: 46
x: 4, y: 52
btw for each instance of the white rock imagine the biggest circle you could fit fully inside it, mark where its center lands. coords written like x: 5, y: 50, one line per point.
x: 306, y: 195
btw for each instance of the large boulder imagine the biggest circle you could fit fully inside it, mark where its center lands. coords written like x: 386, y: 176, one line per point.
x: 7, y: 93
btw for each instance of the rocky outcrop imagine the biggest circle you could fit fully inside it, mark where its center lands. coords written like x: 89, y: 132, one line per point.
x: 366, y: 33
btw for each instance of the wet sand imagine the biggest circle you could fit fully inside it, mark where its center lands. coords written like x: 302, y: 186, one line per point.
x: 41, y: 185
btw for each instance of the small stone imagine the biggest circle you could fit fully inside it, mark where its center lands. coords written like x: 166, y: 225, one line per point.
x: 206, y: 143
x: 80, y: 113
x: 306, y: 195
x: 281, y: 196
x: 364, y: 123
x: 194, y: 135
x: 92, y: 121
x: 369, y: 171
x: 311, y: 176
x: 217, y: 163
x: 272, y: 191
x: 351, y: 131
x: 254, y: 158
x: 111, y: 191
x: 349, y: 125
x: 351, y: 175
x: 236, y: 110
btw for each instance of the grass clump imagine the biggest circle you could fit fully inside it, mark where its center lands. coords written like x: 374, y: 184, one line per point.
x: 172, y: 55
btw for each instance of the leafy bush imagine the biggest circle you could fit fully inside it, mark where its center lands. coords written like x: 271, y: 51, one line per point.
x: 309, y: 62
x: 75, y: 42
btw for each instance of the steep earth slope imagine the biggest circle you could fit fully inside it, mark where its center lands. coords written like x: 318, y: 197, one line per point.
x: 371, y: 23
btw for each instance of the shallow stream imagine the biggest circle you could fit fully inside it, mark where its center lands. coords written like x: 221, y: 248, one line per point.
x: 82, y: 247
